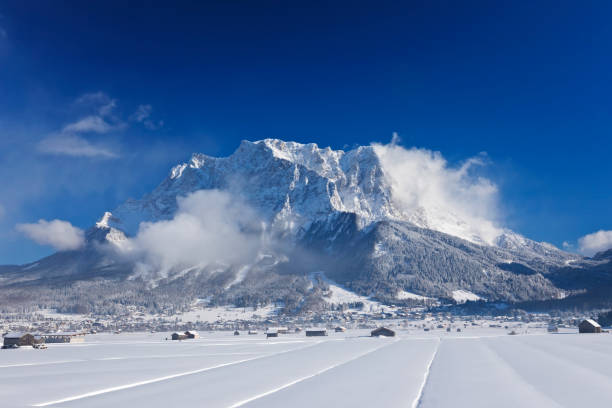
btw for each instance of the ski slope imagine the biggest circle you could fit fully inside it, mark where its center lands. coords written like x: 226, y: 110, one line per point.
x: 479, y: 367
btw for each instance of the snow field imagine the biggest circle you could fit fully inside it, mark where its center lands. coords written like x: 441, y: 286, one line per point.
x: 481, y: 368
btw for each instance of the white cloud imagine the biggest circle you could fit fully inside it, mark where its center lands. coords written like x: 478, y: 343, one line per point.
x: 99, y: 101
x: 74, y: 145
x: 59, y: 234
x: 598, y: 241
x: 89, y: 124
x: 69, y: 141
x: 143, y: 115
x: 210, y: 226
x: 452, y: 200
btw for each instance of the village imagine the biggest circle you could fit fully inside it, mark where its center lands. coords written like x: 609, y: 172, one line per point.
x: 39, y: 329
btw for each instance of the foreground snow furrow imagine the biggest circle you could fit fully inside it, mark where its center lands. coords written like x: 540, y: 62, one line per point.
x: 137, y: 384
x: 157, y: 380
x: 229, y: 385
x: 299, y: 380
x: 469, y: 374
x: 555, y: 374
x: 389, y: 376
x: 417, y: 400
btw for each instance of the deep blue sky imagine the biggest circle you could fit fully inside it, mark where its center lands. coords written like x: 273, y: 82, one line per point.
x: 529, y: 84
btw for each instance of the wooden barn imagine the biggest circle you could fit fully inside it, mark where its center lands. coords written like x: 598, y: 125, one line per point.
x: 192, y: 334
x: 179, y: 336
x: 316, y: 332
x: 589, y: 326
x: 271, y: 333
x: 382, y: 331
x: 22, y: 339
x: 340, y: 329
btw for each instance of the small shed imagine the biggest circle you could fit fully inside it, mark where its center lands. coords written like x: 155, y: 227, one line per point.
x: 316, y: 332
x: 192, y: 334
x: 382, y: 331
x: 271, y: 333
x: 179, y: 336
x: 252, y: 332
x: 340, y: 329
x: 589, y: 326
x: 236, y: 333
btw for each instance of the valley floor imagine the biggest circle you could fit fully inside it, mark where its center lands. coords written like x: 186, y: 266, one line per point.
x: 481, y: 367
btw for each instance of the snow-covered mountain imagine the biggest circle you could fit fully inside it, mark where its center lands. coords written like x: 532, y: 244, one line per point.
x: 320, y: 210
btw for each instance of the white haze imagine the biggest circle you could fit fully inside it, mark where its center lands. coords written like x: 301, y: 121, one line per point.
x: 209, y: 227
x: 58, y: 234
x: 596, y: 242
x: 451, y: 200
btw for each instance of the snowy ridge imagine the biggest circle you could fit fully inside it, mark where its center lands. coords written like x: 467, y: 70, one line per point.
x: 292, y: 185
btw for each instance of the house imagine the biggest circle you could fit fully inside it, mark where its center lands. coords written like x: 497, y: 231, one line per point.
x: 382, y: 331
x: 66, y: 337
x: 589, y: 326
x: 271, y: 333
x: 316, y: 332
x: 192, y: 334
x: 283, y: 330
x: 21, y: 339
x: 179, y: 336
x: 552, y: 328
x: 252, y: 332
x: 340, y: 329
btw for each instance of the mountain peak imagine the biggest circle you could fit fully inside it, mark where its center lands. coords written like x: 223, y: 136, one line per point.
x: 103, y: 222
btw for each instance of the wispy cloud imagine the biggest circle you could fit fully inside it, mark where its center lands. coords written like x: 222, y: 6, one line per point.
x: 76, y: 146
x: 101, y: 120
x: 99, y: 101
x: 143, y: 115
x: 58, y: 234
x: 89, y: 124
x: 598, y: 241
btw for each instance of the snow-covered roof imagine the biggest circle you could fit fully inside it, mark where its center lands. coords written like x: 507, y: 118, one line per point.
x: 191, y: 332
x: 592, y: 322
x: 13, y: 335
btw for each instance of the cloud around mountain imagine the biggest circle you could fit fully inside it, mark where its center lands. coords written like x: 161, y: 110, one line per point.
x: 58, y: 234
x: 598, y: 241
x: 210, y: 226
x: 454, y: 200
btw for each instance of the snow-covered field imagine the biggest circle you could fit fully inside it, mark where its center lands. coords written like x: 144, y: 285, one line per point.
x: 479, y: 367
